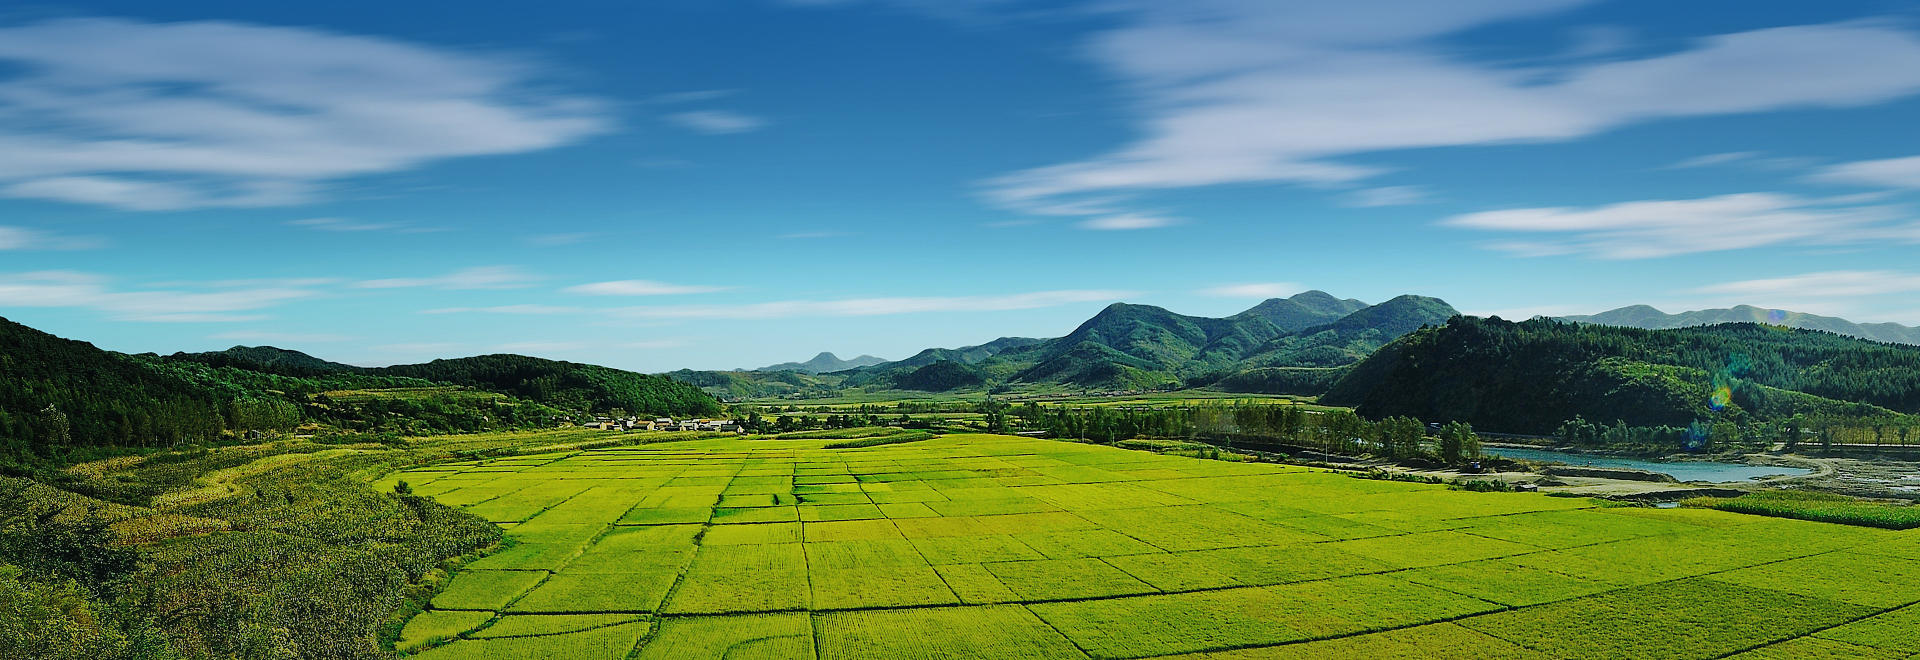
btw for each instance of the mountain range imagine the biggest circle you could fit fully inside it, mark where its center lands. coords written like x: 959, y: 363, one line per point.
x: 1282, y: 345
x: 1648, y: 318
x: 825, y: 363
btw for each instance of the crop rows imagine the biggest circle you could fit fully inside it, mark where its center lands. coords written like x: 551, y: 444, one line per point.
x: 1000, y: 547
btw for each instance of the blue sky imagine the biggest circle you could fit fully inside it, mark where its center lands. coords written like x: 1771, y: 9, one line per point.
x: 735, y: 183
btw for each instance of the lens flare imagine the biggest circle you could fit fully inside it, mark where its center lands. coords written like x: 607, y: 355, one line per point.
x: 1777, y: 316
x: 1697, y: 434
x: 1722, y: 396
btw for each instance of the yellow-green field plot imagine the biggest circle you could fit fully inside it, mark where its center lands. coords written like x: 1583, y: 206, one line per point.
x: 979, y: 546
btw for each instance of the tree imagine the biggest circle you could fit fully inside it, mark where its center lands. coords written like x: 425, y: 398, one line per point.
x: 1400, y: 437
x: 1458, y: 443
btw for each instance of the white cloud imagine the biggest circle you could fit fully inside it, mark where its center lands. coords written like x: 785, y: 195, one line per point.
x: 1387, y: 196
x: 716, y: 122
x: 1128, y: 221
x: 1753, y: 160
x: 164, y: 116
x: 639, y: 288
x: 1259, y: 290
x: 22, y: 238
x: 1890, y: 172
x: 1246, y: 91
x: 872, y: 306
x: 1711, y: 160
x: 82, y: 290
x: 510, y: 309
x: 1831, y: 284
x: 1660, y: 228
x: 484, y: 277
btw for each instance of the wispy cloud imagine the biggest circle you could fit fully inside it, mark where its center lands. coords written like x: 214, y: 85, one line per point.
x: 1123, y: 221
x: 87, y: 291
x: 510, y: 309
x: 872, y: 306
x: 281, y: 337
x: 639, y: 288
x: 1889, y: 172
x: 1660, y: 228
x: 165, y: 116
x: 484, y: 277
x: 348, y: 225
x: 22, y: 238
x: 716, y: 122
x: 1830, y: 284
x: 1755, y: 160
x: 690, y: 97
x: 1387, y: 196
x: 802, y: 308
x: 1234, y: 91
x: 1262, y: 290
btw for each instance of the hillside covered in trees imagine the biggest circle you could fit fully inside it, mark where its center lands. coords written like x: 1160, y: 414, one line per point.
x: 1533, y: 376
x: 63, y: 400
x: 566, y: 385
x: 1265, y: 349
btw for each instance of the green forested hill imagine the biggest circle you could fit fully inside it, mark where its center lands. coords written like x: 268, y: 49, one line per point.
x: 1352, y: 337
x: 1303, y: 310
x: 63, y: 400
x: 1529, y: 377
x: 567, y: 385
x: 267, y: 359
x: 1129, y: 346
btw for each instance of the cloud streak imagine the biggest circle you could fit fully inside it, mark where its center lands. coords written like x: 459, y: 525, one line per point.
x: 716, y: 122
x: 168, y: 116
x: 22, y: 238
x: 484, y: 277
x: 1662, y: 228
x: 1239, y: 91
x: 639, y: 288
x: 1830, y: 284
x: 808, y: 308
x: 1889, y: 173
x: 82, y: 290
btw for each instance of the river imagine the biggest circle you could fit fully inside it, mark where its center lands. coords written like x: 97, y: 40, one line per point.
x: 1715, y: 472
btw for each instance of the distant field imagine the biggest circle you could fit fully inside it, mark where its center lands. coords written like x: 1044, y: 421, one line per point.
x: 977, y: 546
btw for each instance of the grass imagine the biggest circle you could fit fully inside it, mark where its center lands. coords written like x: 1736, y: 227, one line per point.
x: 532, y: 626
x: 1821, y: 507
x: 1003, y: 547
x: 435, y: 626
x: 1697, y: 618
x: 876, y: 441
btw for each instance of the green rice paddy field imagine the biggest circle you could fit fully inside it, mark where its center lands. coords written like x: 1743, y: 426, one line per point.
x: 977, y: 546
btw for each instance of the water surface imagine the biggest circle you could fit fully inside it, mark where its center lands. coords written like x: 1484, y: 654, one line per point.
x: 1683, y: 470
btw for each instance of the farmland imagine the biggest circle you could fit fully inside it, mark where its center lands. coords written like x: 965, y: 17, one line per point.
x: 979, y: 546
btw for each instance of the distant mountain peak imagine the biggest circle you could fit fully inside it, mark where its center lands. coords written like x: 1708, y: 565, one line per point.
x: 825, y: 362
x: 1304, y: 310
